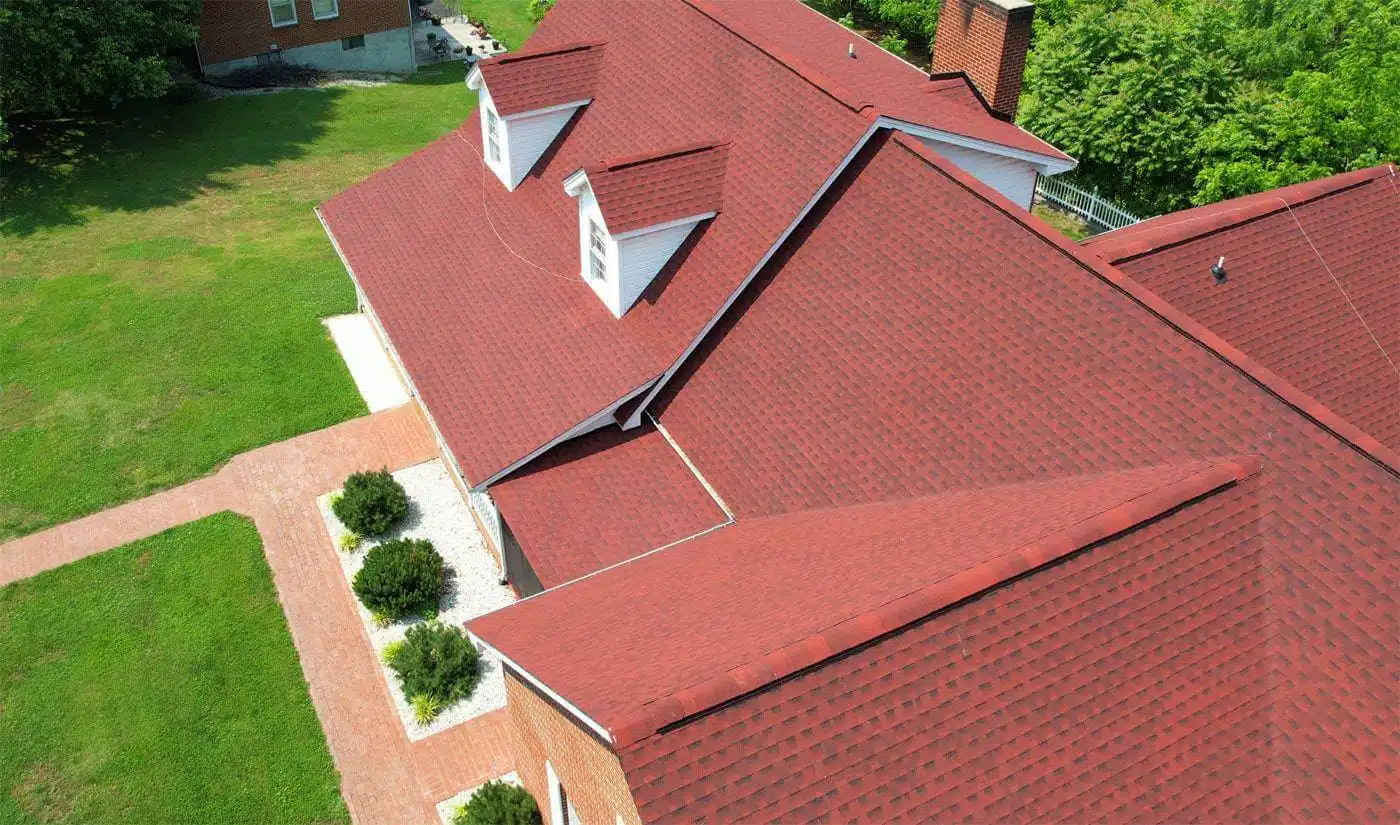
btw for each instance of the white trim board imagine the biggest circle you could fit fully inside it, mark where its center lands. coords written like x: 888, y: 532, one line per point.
x: 564, y: 703
x: 1045, y: 164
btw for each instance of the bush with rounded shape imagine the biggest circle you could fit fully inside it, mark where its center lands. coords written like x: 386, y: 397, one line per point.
x: 499, y: 803
x: 436, y: 660
x: 400, y: 578
x: 371, y: 503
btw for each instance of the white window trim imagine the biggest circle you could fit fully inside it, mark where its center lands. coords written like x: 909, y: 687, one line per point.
x: 493, y: 135
x: 333, y: 15
x: 273, y: 17
x: 597, y: 268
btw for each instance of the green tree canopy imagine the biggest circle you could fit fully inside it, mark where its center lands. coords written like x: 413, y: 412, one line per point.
x: 1172, y: 102
x: 64, y: 55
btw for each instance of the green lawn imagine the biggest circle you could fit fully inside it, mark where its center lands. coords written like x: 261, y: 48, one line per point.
x: 161, y: 279
x: 505, y: 19
x: 157, y: 683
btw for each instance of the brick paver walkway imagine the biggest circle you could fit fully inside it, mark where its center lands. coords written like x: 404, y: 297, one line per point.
x: 385, y: 778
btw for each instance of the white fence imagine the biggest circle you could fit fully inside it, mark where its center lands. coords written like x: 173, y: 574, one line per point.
x: 1095, y: 210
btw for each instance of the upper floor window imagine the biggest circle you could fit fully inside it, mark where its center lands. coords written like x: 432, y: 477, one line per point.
x: 325, y: 9
x: 597, y: 252
x: 493, y: 135
x: 284, y: 12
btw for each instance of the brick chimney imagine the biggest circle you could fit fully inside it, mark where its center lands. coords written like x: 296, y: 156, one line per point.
x: 987, y: 39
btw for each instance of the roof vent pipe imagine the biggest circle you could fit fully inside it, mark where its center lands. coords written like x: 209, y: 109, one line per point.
x: 1218, y: 270
x: 850, y: 50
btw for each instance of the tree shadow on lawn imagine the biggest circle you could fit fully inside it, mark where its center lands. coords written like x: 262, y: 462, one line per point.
x: 149, y: 154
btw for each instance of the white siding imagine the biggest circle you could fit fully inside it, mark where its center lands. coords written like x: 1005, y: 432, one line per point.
x: 1013, y: 178
x: 641, y: 258
x: 530, y: 137
x: 524, y: 138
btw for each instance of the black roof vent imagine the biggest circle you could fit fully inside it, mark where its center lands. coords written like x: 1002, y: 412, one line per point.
x: 1218, y: 270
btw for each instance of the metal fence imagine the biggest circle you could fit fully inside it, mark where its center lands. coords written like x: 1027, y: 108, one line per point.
x: 1096, y: 211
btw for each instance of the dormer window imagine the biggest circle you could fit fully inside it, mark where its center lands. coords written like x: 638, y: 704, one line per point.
x: 635, y: 213
x: 527, y: 99
x: 597, y: 252
x: 493, y: 136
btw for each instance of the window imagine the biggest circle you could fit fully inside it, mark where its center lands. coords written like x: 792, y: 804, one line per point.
x: 284, y: 12
x: 356, y: 42
x: 493, y: 135
x: 597, y: 252
x: 325, y: 9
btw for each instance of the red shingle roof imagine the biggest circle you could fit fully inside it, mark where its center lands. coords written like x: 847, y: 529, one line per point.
x: 602, y: 499
x: 1313, y: 288
x: 479, y: 288
x: 815, y: 44
x: 540, y: 77
x: 652, y: 189
x: 793, y: 590
x: 1136, y: 681
x: 1226, y: 661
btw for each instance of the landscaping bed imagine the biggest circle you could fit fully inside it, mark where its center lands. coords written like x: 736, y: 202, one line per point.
x: 447, y: 809
x: 437, y: 513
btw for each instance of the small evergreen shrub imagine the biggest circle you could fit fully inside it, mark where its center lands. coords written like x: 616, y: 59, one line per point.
x: 436, y: 660
x: 400, y: 578
x: 499, y: 803
x: 371, y: 504
x: 535, y: 9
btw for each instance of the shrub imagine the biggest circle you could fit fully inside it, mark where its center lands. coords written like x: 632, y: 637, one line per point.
x: 350, y: 542
x: 894, y: 44
x: 535, y: 9
x: 400, y: 578
x: 436, y: 660
x: 390, y: 651
x: 371, y: 503
x: 426, y: 708
x: 498, y: 803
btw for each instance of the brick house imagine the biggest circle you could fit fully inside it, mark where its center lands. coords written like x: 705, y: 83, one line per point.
x: 844, y: 489
x: 359, y: 35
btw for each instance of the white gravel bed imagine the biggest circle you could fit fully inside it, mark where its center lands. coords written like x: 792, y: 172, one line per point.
x: 438, y: 513
x: 448, y: 807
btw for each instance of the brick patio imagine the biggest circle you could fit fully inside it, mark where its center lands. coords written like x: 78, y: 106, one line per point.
x: 384, y: 777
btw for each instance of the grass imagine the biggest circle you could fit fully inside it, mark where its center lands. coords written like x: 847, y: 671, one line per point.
x: 1070, y: 225
x: 505, y: 19
x: 162, y: 277
x: 157, y: 683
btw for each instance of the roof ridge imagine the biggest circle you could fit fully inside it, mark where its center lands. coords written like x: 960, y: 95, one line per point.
x: 1271, y: 382
x: 1152, y: 235
x: 790, y: 62
x: 854, y: 631
x: 546, y: 51
x: 626, y: 161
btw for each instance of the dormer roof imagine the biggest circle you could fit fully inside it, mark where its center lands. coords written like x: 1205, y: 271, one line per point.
x: 540, y: 78
x: 654, y: 188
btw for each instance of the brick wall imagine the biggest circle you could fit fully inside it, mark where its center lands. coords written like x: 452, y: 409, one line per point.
x: 989, y: 42
x: 588, y: 769
x: 232, y: 29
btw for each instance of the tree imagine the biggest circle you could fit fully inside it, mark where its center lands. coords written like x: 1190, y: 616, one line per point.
x: 65, y: 56
x: 1333, y: 110
x: 1127, y: 88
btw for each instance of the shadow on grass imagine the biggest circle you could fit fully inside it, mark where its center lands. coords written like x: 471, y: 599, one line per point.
x: 149, y: 155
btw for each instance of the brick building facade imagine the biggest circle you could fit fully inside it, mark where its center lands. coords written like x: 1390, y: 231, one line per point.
x: 364, y: 35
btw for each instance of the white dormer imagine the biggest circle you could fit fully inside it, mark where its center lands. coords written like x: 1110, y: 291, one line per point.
x: 626, y: 233
x: 526, y: 100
